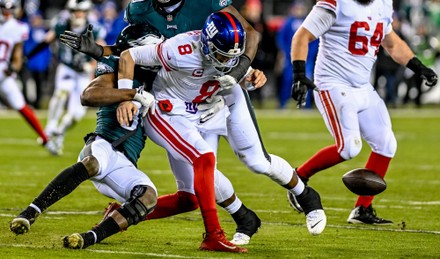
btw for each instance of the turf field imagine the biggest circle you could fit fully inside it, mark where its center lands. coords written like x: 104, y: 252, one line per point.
x: 412, y: 199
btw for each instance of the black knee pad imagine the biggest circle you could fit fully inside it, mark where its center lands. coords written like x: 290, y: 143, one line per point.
x: 133, y: 209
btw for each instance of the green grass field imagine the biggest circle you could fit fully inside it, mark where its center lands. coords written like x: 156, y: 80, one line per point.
x: 412, y: 199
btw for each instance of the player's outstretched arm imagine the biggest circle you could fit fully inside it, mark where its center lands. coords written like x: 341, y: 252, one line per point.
x: 86, y: 44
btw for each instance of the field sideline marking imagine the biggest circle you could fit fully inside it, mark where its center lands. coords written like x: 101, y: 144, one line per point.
x: 109, y: 251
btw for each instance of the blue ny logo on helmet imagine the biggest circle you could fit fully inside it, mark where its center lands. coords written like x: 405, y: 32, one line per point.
x: 224, y: 38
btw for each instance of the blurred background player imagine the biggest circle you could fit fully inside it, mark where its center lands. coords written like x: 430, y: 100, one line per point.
x: 12, y: 35
x: 74, y: 71
x: 297, y: 12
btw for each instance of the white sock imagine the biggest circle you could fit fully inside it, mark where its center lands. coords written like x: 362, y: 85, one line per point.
x: 94, y: 235
x: 299, y: 188
x: 35, y: 207
x: 234, y: 206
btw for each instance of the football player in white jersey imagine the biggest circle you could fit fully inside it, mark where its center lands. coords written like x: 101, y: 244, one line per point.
x: 74, y: 71
x: 12, y: 35
x: 350, y: 33
x: 187, y: 83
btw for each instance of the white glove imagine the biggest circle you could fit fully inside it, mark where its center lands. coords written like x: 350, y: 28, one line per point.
x: 146, y: 99
x: 226, y: 81
x: 211, y: 107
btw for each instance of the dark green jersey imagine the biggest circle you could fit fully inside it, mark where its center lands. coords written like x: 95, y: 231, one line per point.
x: 108, y: 126
x: 191, y: 16
x: 66, y: 55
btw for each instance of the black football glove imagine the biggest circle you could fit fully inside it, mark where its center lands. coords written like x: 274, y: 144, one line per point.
x: 301, y: 84
x: 424, y: 72
x: 84, y: 43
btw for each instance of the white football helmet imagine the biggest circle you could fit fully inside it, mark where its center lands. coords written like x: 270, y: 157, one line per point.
x: 79, y: 5
x: 78, y: 12
x: 8, y: 9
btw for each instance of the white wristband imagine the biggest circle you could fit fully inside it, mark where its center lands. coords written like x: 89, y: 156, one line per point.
x: 125, y: 83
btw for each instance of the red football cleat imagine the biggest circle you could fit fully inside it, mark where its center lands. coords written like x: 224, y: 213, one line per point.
x: 217, y: 241
x: 112, y: 206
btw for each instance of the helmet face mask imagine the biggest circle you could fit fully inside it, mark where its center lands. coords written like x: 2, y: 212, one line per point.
x: 223, y: 41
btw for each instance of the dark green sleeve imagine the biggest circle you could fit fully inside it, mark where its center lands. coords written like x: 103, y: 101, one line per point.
x: 106, y: 65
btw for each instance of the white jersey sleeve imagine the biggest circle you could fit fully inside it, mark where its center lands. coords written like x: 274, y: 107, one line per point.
x: 165, y: 54
x: 319, y: 21
x: 146, y: 55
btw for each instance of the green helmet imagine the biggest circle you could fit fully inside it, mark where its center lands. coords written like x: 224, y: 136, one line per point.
x: 137, y: 35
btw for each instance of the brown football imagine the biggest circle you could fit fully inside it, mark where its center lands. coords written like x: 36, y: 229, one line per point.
x: 364, y: 182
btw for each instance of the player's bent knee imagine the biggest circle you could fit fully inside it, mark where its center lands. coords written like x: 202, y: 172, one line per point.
x: 142, y: 202
x: 352, y: 148
x: 388, y: 146
x: 91, y: 164
x: 149, y: 198
x: 257, y: 164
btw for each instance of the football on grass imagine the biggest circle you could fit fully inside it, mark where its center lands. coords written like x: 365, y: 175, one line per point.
x: 364, y: 182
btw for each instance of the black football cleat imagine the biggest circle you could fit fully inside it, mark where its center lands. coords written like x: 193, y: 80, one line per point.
x: 247, y: 225
x: 362, y: 215
x: 22, y: 223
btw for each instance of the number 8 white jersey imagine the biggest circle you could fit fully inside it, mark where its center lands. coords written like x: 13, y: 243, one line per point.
x: 348, y: 50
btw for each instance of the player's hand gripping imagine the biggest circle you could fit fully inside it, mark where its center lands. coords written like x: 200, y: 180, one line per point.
x: 126, y: 113
x: 211, y: 107
x: 423, y: 71
x: 301, y: 84
x: 84, y: 43
x: 254, y: 79
x: 146, y: 99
